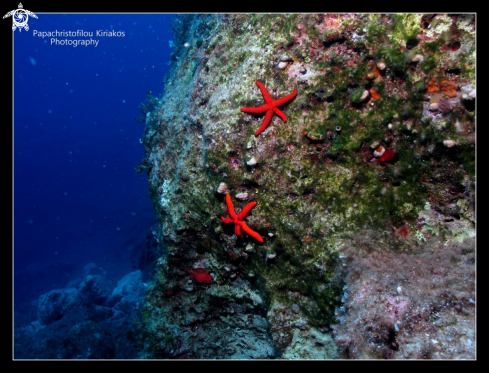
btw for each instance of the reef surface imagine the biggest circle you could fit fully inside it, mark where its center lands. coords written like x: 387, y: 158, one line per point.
x: 365, y: 195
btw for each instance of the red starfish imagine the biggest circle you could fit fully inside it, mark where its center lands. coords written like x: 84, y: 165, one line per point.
x: 270, y: 107
x: 238, y: 219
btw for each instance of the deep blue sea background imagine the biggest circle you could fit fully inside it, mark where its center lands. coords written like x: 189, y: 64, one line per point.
x: 77, y: 197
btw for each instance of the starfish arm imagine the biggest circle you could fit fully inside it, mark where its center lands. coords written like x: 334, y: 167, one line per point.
x: 266, y: 122
x: 246, y: 210
x: 280, y: 114
x: 285, y: 99
x: 266, y: 96
x: 237, y: 230
x: 232, y: 214
x: 251, y: 232
x: 226, y: 220
x: 256, y: 110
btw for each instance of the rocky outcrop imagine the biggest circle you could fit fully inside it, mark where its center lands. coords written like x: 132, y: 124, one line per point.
x: 371, y: 175
x: 56, y: 303
x: 78, y: 324
x: 95, y: 289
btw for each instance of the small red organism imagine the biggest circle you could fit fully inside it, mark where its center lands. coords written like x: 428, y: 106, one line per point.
x: 373, y: 72
x: 315, y: 159
x: 387, y: 156
x: 432, y: 86
x: 402, y: 231
x: 448, y: 88
x: 375, y: 95
x: 168, y: 293
x: 200, y: 275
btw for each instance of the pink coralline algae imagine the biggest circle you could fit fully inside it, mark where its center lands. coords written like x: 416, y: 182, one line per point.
x: 396, y: 308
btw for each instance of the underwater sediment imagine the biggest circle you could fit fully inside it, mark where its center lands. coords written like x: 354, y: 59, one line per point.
x: 364, y: 186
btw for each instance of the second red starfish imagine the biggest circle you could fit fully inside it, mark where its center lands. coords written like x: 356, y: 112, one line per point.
x: 270, y: 107
x: 237, y: 219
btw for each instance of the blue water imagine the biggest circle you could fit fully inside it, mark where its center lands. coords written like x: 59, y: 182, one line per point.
x: 77, y: 198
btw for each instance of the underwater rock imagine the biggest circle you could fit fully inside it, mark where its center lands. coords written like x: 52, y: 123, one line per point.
x: 95, y: 289
x: 82, y: 344
x: 130, y: 284
x: 57, y: 302
x: 98, y: 313
x: 93, y: 269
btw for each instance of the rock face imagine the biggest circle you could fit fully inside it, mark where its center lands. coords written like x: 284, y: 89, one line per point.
x: 370, y: 255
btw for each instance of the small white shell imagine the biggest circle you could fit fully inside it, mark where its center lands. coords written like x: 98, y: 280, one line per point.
x: 242, y: 196
x: 434, y: 106
x: 381, y: 65
x: 418, y: 58
x: 252, y: 162
x: 364, y: 95
x: 249, y: 248
x: 271, y: 256
x: 251, y: 274
x: 282, y: 65
x: 448, y: 143
x: 223, y: 188
x: 285, y: 57
x: 379, y: 152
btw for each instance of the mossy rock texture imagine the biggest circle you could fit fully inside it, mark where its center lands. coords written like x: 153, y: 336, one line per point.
x: 361, y: 256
